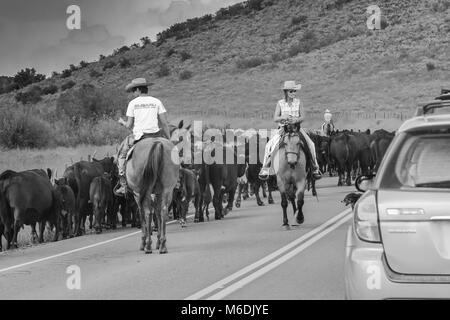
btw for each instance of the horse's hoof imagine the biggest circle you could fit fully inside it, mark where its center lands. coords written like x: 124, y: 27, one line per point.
x: 163, y: 251
x: 271, y: 202
x: 261, y: 204
x: 148, y: 251
x: 286, y: 227
x: 300, y: 220
x: 196, y: 220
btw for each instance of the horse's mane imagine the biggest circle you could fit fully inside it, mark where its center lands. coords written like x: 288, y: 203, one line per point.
x: 8, y: 174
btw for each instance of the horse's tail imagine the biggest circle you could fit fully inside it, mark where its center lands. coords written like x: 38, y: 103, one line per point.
x: 152, y: 170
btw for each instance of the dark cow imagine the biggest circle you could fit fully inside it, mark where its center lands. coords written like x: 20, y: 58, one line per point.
x: 28, y: 198
x: 68, y: 207
x: 128, y: 210
x: 187, y: 189
x: 380, y: 142
x: 363, y: 156
x: 83, y: 173
x: 101, y: 198
x: 342, y: 152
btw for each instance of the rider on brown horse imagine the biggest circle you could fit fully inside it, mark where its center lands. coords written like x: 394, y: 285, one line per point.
x: 147, y: 117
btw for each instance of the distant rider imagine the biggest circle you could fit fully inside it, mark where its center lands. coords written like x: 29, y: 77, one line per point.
x: 328, y: 126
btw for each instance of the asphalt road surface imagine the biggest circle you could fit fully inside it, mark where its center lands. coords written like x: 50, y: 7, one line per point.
x: 248, y: 255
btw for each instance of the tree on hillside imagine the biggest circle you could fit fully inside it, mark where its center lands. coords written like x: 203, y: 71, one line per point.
x: 28, y: 76
x: 145, y: 41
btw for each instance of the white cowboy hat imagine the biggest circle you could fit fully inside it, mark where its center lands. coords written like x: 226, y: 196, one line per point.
x: 291, y: 85
x: 327, y: 111
x: 138, y: 82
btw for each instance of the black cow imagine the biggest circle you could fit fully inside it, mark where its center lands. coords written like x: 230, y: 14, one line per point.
x: 187, y: 189
x: 80, y: 176
x: 380, y: 142
x: 101, y: 198
x: 28, y: 198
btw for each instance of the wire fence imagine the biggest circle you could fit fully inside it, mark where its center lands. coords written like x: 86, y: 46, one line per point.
x: 268, y: 115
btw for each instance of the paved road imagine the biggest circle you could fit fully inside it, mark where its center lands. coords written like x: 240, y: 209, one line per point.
x: 245, y: 256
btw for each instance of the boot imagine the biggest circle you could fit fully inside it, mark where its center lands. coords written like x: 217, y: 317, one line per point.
x: 121, y: 192
x: 317, y: 175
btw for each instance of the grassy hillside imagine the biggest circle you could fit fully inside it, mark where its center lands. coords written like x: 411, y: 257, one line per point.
x: 232, y: 65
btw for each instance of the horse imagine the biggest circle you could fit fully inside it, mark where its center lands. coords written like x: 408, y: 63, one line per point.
x: 153, y: 169
x: 290, y: 163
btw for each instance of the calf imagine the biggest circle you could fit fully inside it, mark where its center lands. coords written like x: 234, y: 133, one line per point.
x: 187, y: 189
x: 69, y: 216
x: 101, y: 198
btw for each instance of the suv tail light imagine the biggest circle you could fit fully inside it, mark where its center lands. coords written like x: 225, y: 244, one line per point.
x: 366, y: 218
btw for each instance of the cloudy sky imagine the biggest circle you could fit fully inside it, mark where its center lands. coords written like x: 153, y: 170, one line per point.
x: 34, y: 33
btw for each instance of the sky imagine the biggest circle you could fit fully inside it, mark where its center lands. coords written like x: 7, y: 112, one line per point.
x: 34, y: 33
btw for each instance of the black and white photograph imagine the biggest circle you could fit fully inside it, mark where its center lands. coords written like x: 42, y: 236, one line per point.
x: 245, y: 152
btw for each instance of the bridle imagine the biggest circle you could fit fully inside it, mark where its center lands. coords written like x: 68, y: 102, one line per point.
x: 283, y: 143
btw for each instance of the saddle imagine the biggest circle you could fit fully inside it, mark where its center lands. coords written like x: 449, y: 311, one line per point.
x: 145, y: 136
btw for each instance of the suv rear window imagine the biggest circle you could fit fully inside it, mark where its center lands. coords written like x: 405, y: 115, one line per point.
x: 422, y: 161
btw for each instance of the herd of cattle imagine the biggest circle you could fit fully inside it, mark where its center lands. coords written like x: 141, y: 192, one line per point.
x: 86, y: 190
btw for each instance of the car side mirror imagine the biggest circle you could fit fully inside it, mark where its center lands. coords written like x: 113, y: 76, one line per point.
x: 364, y: 183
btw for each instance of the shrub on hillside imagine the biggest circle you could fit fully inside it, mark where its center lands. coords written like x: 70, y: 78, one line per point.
x: 51, y: 89
x: 55, y: 74
x: 95, y: 74
x: 73, y: 68
x: 66, y: 73
x: 430, y: 66
x: 185, y: 55
x: 101, y: 57
x: 83, y: 64
x: 31, y: 96
x: 163, y: 71
x: 107, y: 131
x: 90, y: 102
x: 68, y: 85
x: 121, y: 50
x: 299, y: 20
x: 171, y: 52
x: 440, y: 5
x: 21, y: 128
x: 26, y: 77
x: 250, y: 62
x: 109, y: 65
x: 124, y: 62
x: 186, y: 74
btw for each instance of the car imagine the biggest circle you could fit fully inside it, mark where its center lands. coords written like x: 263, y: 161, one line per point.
x: 398, y: 246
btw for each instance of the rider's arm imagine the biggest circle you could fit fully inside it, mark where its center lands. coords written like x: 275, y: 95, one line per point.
x: 278, y: 117
x: 128, y: 124
x: 164, y: 124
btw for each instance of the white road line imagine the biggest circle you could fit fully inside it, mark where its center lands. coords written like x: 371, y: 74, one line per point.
x: 78, y: 250
x: 243, y: 282
x: 222, y: 283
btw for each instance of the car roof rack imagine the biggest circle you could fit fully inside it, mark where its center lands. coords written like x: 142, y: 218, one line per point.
x: 429, y: 108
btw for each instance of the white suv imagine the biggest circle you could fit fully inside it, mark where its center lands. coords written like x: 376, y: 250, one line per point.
x: 399, y: 244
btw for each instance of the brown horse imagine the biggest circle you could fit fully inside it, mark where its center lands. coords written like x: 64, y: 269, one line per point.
x: 153, y: 169
x: 290, y: 166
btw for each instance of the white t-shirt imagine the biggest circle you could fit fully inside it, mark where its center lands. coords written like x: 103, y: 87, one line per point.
x: 145, y: 111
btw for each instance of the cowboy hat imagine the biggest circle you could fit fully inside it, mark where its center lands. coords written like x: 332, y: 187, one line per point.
x: 291, y: 85
x: 138, y: 82
x: 327, y: 111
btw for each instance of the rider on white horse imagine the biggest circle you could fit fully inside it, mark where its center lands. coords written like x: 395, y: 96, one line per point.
x: 289, y: 110
x: 328, y: 117
x: 147, y: 117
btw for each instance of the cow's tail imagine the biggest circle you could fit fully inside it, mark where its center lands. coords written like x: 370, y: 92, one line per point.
x: 152, y: 170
